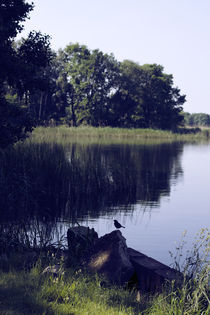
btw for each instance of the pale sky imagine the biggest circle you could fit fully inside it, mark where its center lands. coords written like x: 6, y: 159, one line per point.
x: 173, y: 33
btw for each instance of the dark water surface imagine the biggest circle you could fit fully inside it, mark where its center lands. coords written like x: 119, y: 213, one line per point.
x: 156, y: 191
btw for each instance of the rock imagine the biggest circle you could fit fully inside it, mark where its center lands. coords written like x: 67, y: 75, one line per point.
x: 111, y: 259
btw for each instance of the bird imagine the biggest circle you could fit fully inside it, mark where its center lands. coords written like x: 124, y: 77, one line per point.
x: 118, y: 225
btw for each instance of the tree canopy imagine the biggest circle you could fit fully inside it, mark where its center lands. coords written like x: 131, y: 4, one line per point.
x: 197, y: 119
x: 146, y: 97
x: 22, y: 67
x: 92, y: 76
x: 76, y: 85
x: 12, y: 15
x: 94, y: 88
x: 13, y: 121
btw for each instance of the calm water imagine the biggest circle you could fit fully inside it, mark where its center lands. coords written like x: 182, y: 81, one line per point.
x: 178, y: 199
x: 156, y: 191
x: 154, y: 228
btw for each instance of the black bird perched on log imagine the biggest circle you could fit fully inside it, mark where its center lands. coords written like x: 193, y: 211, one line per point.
x: 118, y: 225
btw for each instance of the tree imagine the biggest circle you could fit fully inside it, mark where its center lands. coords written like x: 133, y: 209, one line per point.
x: 60, y: 88
x: 24, y: 81
x: 72, y: 80
x: 103, y: 78
x: 161, y: 102
x: 35, y: 56
x: 125, y: 102
x: 197, y: 119
x: 12, y: 14
x: 92, y: 76
x: 146, y: 97
x: 14, y: 123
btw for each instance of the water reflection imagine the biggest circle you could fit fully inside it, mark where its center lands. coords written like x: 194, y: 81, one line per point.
x: 43, y: 184
x: 55, y: 182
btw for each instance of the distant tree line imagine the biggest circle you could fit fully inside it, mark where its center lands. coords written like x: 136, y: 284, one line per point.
x: 76, y: 85
x: 197, y: 119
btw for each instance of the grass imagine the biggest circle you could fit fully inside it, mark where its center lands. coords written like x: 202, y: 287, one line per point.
x: 65, y: 134
x: 29, y: 291
x: 32, y: 293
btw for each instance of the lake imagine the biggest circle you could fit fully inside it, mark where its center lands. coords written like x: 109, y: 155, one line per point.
x: 157, y: 191
x: 155, y: 226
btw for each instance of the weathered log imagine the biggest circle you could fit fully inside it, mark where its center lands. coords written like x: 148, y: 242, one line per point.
x: 151, y: 274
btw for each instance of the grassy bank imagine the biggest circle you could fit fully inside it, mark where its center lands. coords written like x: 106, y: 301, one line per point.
x: 63, y: 134
x: 30, y: 292
x: 24, y: 289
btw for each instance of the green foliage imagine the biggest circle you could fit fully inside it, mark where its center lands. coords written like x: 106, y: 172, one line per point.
x: 99, y: 91
x: 12, y: 14
x: 78, y: 85
x: 22, y: 68
x: 15, y: 123
x: 35, y: 49
x: 197, y: 119
x: 34, y: 83
x: 93, y: 76
x: 34, y: 55
x: 146, y: 98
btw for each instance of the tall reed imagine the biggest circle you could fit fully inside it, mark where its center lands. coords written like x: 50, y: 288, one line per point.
x: 192, y: 297
x: 64, y: 134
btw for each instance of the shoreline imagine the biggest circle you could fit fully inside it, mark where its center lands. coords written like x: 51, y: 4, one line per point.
x: 63, y: 133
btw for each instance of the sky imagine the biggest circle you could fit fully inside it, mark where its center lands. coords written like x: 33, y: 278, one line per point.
x: 172, y: 33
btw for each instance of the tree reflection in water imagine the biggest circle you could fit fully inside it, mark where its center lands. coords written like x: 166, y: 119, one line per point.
x: 50, y: 183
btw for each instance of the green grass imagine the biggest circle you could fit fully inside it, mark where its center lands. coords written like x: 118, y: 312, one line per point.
x: 63, y: 134
x: 33, y: 293
x: 30, y: 292
x: 26, y: 291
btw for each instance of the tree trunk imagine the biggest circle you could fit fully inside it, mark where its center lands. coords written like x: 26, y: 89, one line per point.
x: 40, y: 105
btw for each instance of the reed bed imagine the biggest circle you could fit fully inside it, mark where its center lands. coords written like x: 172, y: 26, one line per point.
x: 48, y: 180
x: 63, y: 134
